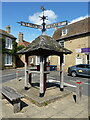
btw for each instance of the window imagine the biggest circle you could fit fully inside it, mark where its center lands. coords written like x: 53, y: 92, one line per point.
x: 61, y: 43
x: 8, y: 59
x: 37, y: 60
x: 8, y: 43
x: 31, y: 60
x: 88, y: 59
x: 88, y: 66
x: 64, y: 32
x: 81, y: 66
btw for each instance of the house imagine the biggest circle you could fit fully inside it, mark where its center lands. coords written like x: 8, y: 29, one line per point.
x: 75, y: 37
x: 32, y: 60
x: 21, y: 42
x: 8, y: 48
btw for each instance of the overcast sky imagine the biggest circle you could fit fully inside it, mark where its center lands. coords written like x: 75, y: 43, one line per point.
x: 13, y: 12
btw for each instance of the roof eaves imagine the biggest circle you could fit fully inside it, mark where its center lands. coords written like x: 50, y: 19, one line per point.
x: 6, y: 34
x: 72, y: 36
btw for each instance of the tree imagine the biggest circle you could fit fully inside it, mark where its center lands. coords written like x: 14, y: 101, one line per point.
x: 20, y: 47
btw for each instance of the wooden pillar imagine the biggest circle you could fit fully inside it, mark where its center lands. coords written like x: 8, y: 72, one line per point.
x: 26, y: 73
x: 61, y: 74
x: 41, y: 77
x: 45, y: 75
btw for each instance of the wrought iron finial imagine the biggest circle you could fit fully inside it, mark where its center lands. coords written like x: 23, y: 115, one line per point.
x: 43, y: 26
x: 42, y: 8
x: 43, y: 18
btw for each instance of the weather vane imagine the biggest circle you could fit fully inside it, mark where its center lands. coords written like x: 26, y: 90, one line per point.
x: 43, y: 18
x: 43, y: 26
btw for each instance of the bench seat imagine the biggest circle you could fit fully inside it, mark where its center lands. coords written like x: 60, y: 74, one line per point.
x: 13, y: 96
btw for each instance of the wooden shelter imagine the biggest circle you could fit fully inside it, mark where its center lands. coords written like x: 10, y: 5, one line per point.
x: 43, y: 46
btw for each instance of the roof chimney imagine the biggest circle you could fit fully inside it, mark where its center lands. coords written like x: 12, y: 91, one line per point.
x: 20, y: 36
x: 8, y: 29
x: 56, y: 28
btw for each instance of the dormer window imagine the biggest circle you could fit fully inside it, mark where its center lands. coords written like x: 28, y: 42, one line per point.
x: 61, y: 43
x: 64, y: 32
x: 8, y: 44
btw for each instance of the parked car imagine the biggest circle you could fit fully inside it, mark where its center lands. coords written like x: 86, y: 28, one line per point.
x: 80, y: 69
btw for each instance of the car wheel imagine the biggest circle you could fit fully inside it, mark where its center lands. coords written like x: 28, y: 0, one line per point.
x: 74, y: 74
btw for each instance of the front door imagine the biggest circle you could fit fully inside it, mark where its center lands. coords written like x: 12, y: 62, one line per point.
x: 78, y: 60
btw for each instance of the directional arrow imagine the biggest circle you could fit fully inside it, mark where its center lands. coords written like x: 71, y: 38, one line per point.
x: 30, y: 25
x: 56, y: 24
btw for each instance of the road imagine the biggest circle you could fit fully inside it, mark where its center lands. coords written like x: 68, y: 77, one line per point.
x: 54, y: 76
x: 11, y: 74
x: 70, y: 82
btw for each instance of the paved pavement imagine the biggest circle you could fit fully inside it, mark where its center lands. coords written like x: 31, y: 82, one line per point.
x: 65, y: 107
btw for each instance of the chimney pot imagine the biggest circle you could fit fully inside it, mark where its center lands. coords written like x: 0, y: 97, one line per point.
x: 20, y: 36
x: 8, y: 28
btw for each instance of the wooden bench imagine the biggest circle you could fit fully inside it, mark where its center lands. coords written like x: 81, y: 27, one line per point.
x: 13, y: 96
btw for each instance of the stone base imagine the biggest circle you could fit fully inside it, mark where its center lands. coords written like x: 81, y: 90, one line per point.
x: 42, y: 99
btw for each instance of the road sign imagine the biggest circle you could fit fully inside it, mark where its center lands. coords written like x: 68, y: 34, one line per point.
x: 30, y: 25
x: 56, y: 24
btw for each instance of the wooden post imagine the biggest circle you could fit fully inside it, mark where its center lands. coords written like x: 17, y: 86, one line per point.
x: 78, y: 92
x: 61, y: 74
x: 41, y: 77
x: 30, y: 79
x: 26, y: 73
x: 45, y: 75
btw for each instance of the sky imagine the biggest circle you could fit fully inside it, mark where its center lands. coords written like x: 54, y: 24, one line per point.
x: 13, y: 12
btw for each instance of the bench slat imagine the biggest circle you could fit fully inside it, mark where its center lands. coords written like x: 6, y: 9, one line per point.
x: 11, y: 93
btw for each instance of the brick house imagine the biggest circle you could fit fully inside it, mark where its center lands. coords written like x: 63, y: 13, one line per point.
x: 75, y: 37
x: 32, y: 60
x: 21, y: 41
x: 9, y: 44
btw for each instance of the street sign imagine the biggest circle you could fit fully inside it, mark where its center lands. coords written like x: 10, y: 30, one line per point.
x: 56, y: 24
x: 30, y: 25
x: 43, y: 26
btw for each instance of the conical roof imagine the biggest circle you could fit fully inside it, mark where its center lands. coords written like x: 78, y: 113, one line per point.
x: 44, y: 45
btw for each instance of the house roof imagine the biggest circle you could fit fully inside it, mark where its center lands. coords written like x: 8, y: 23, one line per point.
x: 24, y: 43
x: 44, y: 45
x: 80, y: 27
x: 6, y: 34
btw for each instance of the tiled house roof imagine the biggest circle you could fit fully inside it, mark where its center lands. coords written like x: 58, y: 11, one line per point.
x: 6, y: 34
x: 44, y: 45
x: 80, y: 27
x: 24, y: 43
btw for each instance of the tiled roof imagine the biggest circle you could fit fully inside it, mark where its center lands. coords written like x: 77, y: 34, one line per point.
x: 44, y: 45
x: 73, y: 29
x: 6, y: 34
x: 24, y: 43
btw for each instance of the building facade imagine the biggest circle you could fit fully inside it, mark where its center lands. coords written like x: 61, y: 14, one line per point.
x: 32, y: 60
x: 22, y: 43
x: 8, y: 48
x: 75, y: 37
